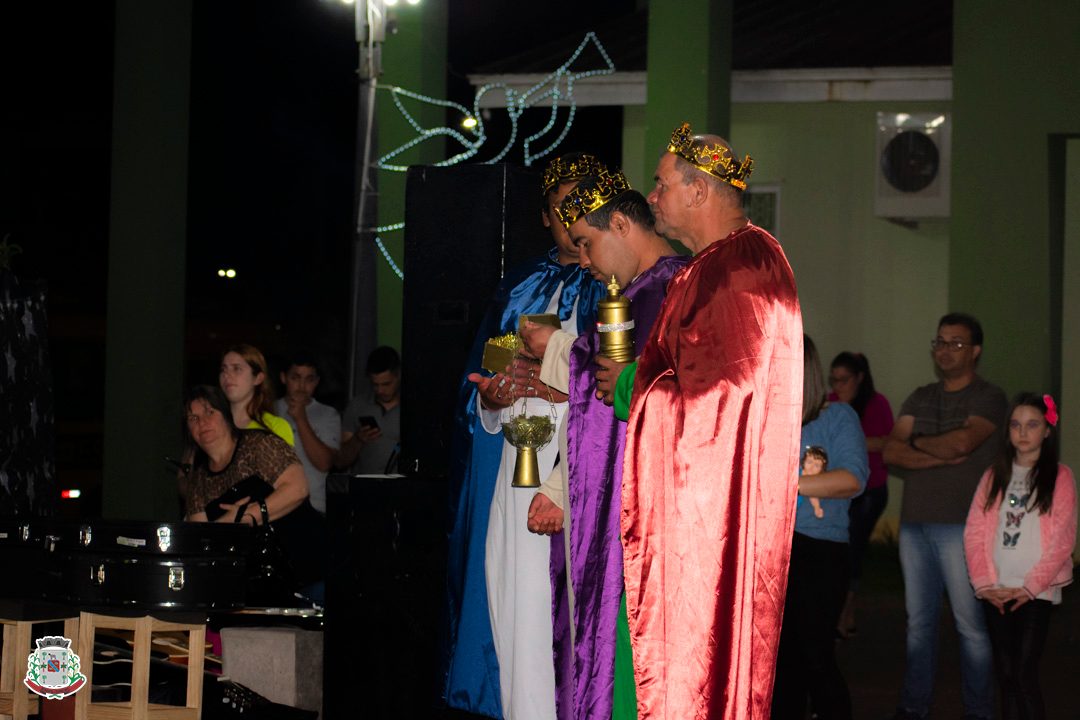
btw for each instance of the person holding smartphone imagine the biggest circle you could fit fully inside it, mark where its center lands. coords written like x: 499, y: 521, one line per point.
x: 371, y: 425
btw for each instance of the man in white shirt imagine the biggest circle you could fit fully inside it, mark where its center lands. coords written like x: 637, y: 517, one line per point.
x: 316, y: 427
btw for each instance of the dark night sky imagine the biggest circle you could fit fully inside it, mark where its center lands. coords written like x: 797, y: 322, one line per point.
x: 272, y: 139
x: 273, y: 117
x: 272, y: 136
x: 55, y: 131
x: 481, y: 34
x: 271, y: 147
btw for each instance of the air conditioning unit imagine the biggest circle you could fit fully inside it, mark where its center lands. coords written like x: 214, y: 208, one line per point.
x: 914, y: 162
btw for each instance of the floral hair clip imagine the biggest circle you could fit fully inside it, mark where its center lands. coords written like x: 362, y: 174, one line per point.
x: 1051, y: 410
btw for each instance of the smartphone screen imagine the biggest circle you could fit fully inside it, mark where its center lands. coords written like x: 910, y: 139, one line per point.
x: 367, y: 421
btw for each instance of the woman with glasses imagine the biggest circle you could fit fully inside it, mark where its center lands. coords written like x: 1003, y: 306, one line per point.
x: 852, y: 383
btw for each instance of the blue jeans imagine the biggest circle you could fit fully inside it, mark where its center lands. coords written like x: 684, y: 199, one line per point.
x: 932, y: 558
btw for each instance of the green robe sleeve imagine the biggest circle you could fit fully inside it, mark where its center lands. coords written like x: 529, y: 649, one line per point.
x: 624, y: 390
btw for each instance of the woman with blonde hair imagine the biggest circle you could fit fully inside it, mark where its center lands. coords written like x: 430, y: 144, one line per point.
x: 246, y: 383
x: 806, y: 667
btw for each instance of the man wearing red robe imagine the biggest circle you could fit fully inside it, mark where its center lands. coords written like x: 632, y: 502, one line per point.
x: 709, y: 485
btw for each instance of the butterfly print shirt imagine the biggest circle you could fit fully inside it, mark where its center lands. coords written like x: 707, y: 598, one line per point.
x: 1018, y: 542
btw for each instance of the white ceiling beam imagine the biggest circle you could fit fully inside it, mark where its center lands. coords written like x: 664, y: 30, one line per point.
x: 802, y: 85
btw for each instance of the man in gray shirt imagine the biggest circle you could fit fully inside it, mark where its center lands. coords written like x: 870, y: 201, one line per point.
x: 945, y: 437
x: 316, y: 427
x: 371, y: 425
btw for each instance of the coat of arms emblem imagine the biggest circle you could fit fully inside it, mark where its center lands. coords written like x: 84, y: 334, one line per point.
x: 52, y: 670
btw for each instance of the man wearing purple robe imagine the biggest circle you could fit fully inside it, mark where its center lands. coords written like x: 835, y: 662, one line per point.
x: 612, y: 227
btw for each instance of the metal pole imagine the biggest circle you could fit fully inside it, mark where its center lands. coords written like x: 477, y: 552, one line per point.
x: 363, y: 307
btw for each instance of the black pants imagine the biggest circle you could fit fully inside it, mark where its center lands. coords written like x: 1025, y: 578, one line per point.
x: 806, y: 663
x: 863, y: 515
x: 1018, y: 638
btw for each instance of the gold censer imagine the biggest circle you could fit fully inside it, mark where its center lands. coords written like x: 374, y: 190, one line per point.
x: 615, y: 325
x: 528, y: 433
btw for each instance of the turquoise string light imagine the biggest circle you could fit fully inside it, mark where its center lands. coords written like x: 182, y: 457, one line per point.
x: 551, y: 88
x: 549, y: 91
x: 389, y: 260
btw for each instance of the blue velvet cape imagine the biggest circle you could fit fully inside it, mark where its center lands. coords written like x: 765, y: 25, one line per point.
x: 471, y: 669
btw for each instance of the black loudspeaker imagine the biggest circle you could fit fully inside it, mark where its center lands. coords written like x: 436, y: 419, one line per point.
x: 465, y: 226
x: 385, y: 594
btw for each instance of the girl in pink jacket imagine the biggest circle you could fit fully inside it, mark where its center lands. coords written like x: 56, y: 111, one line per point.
x: 1019, y: 540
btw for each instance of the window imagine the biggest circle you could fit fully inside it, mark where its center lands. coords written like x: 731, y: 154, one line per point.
x: 761, y: 203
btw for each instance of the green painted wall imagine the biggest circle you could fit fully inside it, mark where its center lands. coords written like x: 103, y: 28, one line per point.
x: 1014, y: 84
x: 865, y: 284
x: 869, y: 285
x: 1070, y: 341
x: 1071, y: 336
x: 689, y: 62
x: 413, y: 58
x: 633, y: 149
x: 144, y: 342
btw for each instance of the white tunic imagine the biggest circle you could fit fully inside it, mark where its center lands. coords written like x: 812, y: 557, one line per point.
x: 516, y: 563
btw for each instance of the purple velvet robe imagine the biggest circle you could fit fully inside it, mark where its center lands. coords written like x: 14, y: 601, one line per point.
x: 595, y: 441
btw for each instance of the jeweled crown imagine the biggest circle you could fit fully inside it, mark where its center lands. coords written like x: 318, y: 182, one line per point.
x: 601, y: 188
x: 567, y: 168
x: 716, y: 160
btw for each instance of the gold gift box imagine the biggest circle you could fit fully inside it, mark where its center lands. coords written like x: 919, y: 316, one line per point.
x: 499, y: 351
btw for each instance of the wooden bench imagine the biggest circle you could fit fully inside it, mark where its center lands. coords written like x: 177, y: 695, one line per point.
x: 139, y: 707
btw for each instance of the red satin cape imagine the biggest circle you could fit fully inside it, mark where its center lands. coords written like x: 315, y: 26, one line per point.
x: 710, y: 480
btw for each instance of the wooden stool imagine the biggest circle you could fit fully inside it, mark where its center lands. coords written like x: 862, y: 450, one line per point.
x: 15, y: 700
x: 139, y: 708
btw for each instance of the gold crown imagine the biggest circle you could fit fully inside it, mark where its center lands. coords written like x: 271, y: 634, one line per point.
x: 562, y: 170
x: 716, y: 160
x: 599, y: 190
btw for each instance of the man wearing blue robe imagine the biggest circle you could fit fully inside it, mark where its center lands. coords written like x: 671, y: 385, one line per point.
x: 481, y: 665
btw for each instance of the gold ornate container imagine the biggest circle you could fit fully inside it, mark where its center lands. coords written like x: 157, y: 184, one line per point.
x: 499, y: 352
x: 528, y: 434
x: 615, y: 325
